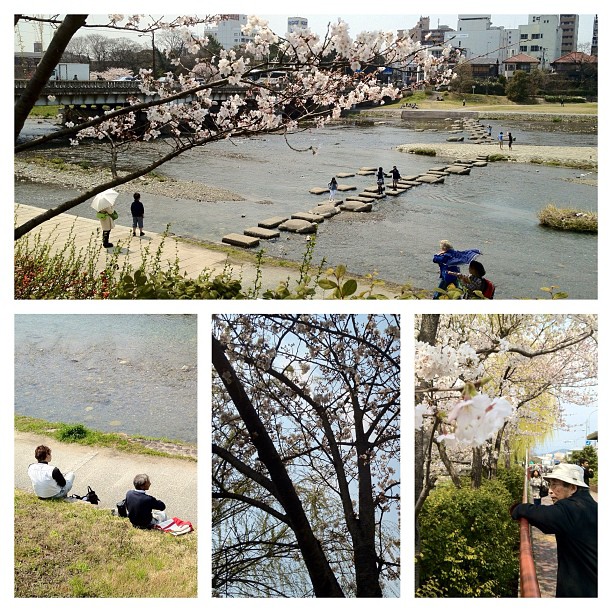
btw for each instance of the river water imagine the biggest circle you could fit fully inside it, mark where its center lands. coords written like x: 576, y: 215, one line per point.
x: 493, y: 209
x: 135, y: 374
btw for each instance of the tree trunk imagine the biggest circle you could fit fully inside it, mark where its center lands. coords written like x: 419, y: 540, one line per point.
x: 63, y: 35
x: 476, y: 467
x: 323, y: 580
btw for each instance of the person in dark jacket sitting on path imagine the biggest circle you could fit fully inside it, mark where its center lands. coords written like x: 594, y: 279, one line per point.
x: 144, y: 511
x: 573, y: 520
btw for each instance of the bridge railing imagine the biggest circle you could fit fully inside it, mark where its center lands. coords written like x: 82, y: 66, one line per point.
x: 528, y: 576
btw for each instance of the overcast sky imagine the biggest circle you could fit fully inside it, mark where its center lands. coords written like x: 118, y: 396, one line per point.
x: 358, y: 15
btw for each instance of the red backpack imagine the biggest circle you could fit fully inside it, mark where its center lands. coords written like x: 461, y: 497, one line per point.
x: 489, y: 289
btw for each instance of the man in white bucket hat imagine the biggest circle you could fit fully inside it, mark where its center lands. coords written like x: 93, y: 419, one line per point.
x: 573, y: 520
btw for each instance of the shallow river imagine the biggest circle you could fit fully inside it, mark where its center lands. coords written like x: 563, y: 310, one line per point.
x: 134, y: 374
x: 493, y: 209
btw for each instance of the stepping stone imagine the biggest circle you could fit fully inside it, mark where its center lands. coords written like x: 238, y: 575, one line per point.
x: 326, y: 210
x: 430, y: 178
x: 240, y: 240
x: 261, y: 232
x: 318, y: 190
x: 405, y: 186
x: 356, y: 198
x: 272, y: 222
x: 366, y: 172
x: 458, y: 169
x: 298, y: 226
x: 374, y: 196
x: 326, y: 203
x: 356, y: 207
x: 407, y: 179
x: 346, y: 187
x: 437, y: 173
x: 454, y: 139
x: 367, y: 169
x: 409, y: 184
x: 479, y: 164
x: 371, y: 188
x: 345, y: 174
x: 395, y: 192
x: 306, y: 216
x: 437, y: 169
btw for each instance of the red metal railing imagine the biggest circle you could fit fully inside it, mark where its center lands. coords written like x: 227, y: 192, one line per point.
x: 528, y: 577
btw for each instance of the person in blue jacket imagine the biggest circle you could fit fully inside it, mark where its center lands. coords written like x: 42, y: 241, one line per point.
x: 442, y: 259
x: 573, y: 520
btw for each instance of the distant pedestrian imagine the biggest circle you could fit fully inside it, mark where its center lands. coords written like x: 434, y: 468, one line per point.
x: 463, y: 101
x: 510, y: 140
x: 333, y: 187
x: 562, y: 102
x: 489, y: 129
x: 588, y: 472
x: 47, y: 481
x: 380, y: 181
x: 395, y: 175
x: 137, y: 210
x: 76, y: 77
x: 144, y: 511
x: 535, y: 482
x: 500, y: 138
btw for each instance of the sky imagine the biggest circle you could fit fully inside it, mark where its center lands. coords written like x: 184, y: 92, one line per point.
x: 358, y: 17
x: 580, y: 420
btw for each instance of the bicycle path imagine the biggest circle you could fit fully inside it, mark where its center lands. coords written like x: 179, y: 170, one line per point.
x: 110, y: 473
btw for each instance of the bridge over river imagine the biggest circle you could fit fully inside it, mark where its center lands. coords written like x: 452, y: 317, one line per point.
x: 93, y: 95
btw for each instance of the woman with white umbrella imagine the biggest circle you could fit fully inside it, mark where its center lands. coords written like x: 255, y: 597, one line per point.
x: 104, y: 204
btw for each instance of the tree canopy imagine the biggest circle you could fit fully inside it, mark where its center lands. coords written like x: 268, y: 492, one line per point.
x: 305, y: 455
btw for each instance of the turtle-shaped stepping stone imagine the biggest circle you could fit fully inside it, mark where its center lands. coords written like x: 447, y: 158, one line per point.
x: 356, y: 207
x: 298, y: 226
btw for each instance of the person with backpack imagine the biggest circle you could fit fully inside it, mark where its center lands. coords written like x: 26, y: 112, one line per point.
x: 476, y: 281
x: 333, y: 187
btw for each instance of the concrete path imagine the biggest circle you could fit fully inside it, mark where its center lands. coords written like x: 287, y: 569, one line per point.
x: 193, y: 258
x: 110, y: 473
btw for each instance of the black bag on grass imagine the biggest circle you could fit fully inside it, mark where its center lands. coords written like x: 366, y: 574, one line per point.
x: 90, y: 496
x: 122, y: 508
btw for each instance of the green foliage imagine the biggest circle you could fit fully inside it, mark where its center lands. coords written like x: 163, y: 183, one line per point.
x: 520, y: 87
x: 566, y: 99
x: 497, y: 157
x: 71, y: 432
x: 589, y: 453
x: 513, y: 480
x: 468, y: 543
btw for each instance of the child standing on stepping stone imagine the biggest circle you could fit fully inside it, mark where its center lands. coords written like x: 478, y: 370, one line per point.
x: 395, y: 175
x: 333, y: 187
x: 380, y: 181
x: 137, y: 210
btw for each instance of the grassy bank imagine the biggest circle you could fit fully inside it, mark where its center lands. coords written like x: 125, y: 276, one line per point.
x: 76, y: 550
x: 77, y: 434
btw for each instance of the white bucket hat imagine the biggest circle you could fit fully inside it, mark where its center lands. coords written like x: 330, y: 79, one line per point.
x: 568, y: 472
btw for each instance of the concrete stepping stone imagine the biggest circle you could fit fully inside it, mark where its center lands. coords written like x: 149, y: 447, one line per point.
x: 366, y: 172
x: 272, y: 222
x: 458, y: 169
x: 368, y: 169
x: 395, y: 192
x: 306, y: 216
x: 438, y: 173
x: 318, y: 190
x: 430, y: 178
x: 480, y: 164
x: 261, y: 232
x: 408, y: 184
x: 326, y: 203
x: 346, y: 187
x: 374, y: 196
x: 362, y: 199
x: 454, y: 139
x: 345, y: 174
x: 407, y: 179
x: 326, y: 210
x: 437, y: 169
x: 240, y: 240
x: 356, y: 207
x: 298, y: 226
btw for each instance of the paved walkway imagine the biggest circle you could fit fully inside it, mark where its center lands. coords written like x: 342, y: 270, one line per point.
x: 193, y: 258
x: 110, y: 473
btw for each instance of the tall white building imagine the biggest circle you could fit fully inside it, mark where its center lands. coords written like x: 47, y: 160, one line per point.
x: 296, y: 23
x: 477, y: 37
x: 541, y: 38
x: 229, y: 31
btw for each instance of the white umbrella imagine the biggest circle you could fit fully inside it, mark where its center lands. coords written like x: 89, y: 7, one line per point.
x: 104, y: 200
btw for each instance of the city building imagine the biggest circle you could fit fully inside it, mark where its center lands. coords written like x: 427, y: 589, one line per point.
x: 296, y: 23
x: 228, y: 31
x: 594, y: 41
x: 423, y: 33
x: 569, y: 33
